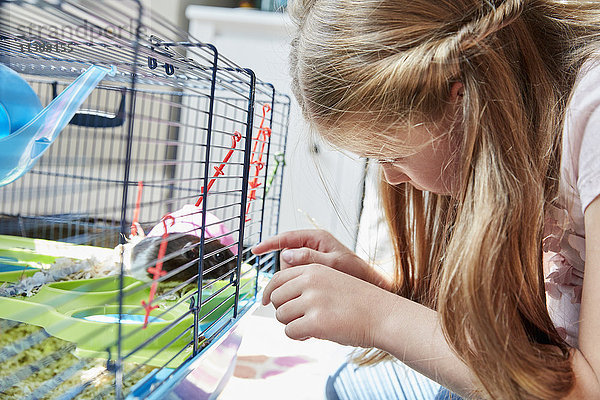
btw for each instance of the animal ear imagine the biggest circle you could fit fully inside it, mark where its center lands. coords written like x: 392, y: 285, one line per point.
x: 139, y: 230
x: 191, y: 252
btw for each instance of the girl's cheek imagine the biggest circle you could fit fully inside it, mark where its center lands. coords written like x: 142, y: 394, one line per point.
x: 394, y: 176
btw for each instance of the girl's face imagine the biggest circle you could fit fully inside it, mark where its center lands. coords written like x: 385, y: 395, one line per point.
x: 432, y: 167
x: 425, y: 155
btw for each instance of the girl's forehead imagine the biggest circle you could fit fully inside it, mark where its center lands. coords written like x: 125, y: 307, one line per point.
x: 372, y: 143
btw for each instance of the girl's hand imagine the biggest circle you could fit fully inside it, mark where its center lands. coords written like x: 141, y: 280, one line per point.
x: 320, y: 247
x: 316, y: 301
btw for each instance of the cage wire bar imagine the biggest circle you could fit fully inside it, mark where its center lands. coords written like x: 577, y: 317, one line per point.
x: 177, y: 125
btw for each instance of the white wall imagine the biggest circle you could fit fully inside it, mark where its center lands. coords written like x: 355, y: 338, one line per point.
x: 260, y: 41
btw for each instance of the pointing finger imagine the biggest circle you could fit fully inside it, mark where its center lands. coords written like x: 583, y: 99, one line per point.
x: 311, y: 238
x: 303, y: 256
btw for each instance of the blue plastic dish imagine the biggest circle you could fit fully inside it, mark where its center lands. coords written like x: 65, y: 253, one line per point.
x: 19, y: 103
x: 31, y: 128
x: 4, y: 122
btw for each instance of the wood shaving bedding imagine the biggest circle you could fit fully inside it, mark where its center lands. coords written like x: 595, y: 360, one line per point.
x: 64, y: 269
x: 65, y: 372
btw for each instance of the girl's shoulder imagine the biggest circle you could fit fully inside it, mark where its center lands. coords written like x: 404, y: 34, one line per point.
x: 585, y: 97
x: 564, y: 227
x: 580, y: 165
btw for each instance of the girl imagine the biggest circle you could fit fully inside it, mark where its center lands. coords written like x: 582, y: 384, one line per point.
x: 484, y: 115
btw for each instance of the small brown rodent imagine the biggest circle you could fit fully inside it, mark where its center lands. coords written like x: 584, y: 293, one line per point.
x: 183, y: 251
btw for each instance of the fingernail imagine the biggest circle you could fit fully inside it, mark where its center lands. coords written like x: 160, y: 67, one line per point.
x: 288, y: 256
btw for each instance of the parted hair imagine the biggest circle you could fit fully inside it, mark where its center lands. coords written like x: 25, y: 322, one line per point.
x: 476, y: 257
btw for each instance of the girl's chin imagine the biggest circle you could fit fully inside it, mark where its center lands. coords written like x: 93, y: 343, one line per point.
x: 418, y: 187
x: 424, y: 189
x: 436, y: 190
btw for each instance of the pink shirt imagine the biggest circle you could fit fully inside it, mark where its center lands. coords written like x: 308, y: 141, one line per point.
x: 564, y: 243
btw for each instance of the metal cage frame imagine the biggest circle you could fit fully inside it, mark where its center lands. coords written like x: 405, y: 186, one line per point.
x: 242, y: 125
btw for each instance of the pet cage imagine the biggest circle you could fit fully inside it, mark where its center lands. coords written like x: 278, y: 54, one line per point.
x: 173, y: 146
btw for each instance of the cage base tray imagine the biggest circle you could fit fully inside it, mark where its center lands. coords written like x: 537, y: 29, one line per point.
x: 86, y: 312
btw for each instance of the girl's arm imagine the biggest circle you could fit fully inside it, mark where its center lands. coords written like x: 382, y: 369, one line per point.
x: 315, y: 300
x: 414, y: 336
x: 425, y: 349
x: 337, y: 302
x: 412, y: 333
x: 586, y: 360
x: 308, y: 298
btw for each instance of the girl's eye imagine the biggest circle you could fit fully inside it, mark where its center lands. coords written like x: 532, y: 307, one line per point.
x: 388, y: 161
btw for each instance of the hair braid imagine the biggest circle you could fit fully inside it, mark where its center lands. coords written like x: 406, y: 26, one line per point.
x: 435, y: 62
x: 488, y: 23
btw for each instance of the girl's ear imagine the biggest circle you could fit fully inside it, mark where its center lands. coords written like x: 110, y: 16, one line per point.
x: 457, y: 91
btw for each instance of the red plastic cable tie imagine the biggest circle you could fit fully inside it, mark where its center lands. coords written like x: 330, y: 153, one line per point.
x: 219, y: 170
x: 261, y: 137
x: 136, y: 213
x: 262, y: 131
x: 265, y: 133
x: 266, y: 108
x: 254, y: 183
x: 157, y: 270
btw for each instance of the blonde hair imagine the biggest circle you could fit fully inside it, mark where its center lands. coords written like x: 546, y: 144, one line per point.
x: 475, y: 257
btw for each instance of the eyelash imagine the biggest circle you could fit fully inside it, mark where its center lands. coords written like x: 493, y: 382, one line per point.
x: 389, y: 160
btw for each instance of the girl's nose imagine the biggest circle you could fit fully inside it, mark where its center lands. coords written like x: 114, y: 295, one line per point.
x: 393, y: 175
